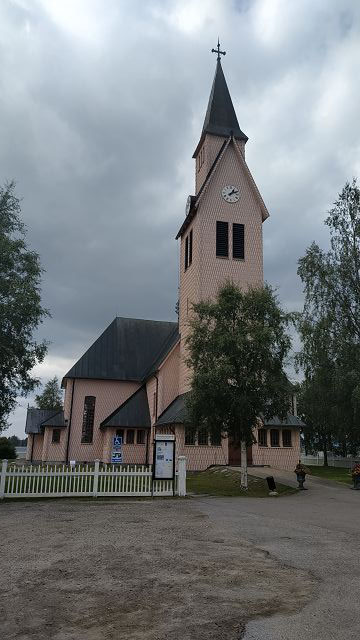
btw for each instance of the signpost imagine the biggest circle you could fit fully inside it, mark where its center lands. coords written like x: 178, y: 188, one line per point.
x: 116, y: 454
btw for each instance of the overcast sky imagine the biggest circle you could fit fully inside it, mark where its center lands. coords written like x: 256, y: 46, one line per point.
x: 101, y: 107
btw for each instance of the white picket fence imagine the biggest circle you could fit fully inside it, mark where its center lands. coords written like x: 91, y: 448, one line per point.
x: 347, y: 463
x: 59, y: 481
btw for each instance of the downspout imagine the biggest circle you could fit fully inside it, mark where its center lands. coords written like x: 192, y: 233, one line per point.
x: 32, y: 447
x: 155, y: 419
x: 69, y: 427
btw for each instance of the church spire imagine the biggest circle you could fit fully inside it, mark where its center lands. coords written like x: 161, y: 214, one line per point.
x: 220, y: 118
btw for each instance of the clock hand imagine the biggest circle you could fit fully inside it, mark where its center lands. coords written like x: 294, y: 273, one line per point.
x: 233, y: 191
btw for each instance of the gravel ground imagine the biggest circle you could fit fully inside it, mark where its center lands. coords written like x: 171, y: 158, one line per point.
x: 316, y: 530
x: 149, y: 570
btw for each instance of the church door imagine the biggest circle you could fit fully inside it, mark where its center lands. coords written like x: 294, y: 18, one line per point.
x: 235, y: 454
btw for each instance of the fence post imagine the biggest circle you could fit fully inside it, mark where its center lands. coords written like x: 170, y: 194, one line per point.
x: 182, y: 476
x: 96, y: 478
x: 3, y: 478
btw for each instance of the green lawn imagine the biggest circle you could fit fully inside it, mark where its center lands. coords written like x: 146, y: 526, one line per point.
x: 221, y: 481
x: 338, y: 474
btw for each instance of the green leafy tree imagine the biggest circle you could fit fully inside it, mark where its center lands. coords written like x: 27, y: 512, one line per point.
x: 51, y: 396
x: 21, y: 311
x: 237, y: 349
x: 7, y: 449
x: 329, y: 327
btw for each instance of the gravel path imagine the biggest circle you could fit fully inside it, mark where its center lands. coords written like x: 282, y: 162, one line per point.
x: 149, y: 570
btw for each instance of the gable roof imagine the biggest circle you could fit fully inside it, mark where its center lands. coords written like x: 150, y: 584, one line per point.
x: 134, y: 412
x: 126, y: 350
x: 37, y: 419
x: 220, y: 117
x: 175, y: 413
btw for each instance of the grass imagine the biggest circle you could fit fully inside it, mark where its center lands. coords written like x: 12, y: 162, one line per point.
x: 338, y: 474
x: 221, y: 481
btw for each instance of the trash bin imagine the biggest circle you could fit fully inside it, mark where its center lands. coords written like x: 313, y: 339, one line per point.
x: 271, y: 483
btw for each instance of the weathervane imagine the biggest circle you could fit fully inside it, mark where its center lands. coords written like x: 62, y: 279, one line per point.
x: 217, y: 50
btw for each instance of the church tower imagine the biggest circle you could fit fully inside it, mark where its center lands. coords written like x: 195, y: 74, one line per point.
x: 221, y: 236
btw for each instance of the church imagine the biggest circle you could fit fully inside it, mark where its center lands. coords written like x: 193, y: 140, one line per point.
x: 132, y: 382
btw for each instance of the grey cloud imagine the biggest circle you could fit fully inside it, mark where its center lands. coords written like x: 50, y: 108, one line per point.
x: 98, y: 130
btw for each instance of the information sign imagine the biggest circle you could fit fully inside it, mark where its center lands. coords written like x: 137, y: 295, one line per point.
x: 164, y: 457
x: 116, y: 454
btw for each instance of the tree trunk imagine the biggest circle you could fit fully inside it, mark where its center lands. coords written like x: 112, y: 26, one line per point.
x: 244, y: 472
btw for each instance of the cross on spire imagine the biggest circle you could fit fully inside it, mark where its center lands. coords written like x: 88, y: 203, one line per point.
x: 217, y: 50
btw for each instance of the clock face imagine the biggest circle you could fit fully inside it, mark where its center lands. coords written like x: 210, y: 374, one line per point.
x: 230, y: 193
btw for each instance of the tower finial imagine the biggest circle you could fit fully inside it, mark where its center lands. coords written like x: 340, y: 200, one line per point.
x: 217, y: 50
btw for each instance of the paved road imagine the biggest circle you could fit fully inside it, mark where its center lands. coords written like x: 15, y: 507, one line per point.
x: 317, y: 530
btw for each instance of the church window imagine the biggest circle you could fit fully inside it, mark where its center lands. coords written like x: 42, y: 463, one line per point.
x: 140, y: 436
x: 120, y: 433
x: 186, y: 252
x: 222, y: 239
x: 203, y: 437
x: 130, y: 436
x: 190, y: 246
x: 262, y: 437
x: 238, y: 241
x: 188, y: 249
x: 55, y: 436
x: 200, y: 158
x: 88, y: 420
x: 286, y: 437
x: 274, y: 438
x: 189, y: 435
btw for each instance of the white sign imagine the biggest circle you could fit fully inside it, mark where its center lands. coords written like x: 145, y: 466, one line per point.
x: 164, y: 457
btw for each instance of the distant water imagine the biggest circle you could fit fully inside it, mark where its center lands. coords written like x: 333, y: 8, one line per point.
x: 20, y: 452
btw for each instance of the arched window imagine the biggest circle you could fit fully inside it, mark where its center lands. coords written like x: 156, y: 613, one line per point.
x: 88, y: 420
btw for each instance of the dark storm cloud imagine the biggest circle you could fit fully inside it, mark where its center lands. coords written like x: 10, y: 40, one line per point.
x: 101, y: 107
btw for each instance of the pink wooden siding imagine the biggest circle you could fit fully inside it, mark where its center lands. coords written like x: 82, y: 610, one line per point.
x: 278, y: 457
x: 29, y: 446
x: 109, y: 396
x: 132, y: 453
x: 169, y: 379
x: 198, y: 457
x: 38, y: 447
x: 54, y: 452
x: 207, y: 273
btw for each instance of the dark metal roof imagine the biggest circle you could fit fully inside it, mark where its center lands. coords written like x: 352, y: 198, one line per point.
x: 220, y: 118
x: 134, y: 412
x: 175, y: 413
x: 289, y: 421
x: 126, y: 350
x: 37, y: 419
x: 56, y: 421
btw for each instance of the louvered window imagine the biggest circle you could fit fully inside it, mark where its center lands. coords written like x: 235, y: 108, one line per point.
x: 88, y: 420
x: 222, y: 239
x: 238, y: 241
x: 186, y: 252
